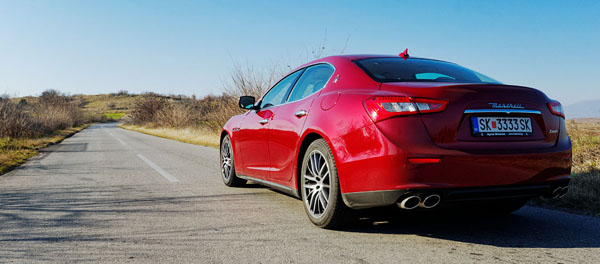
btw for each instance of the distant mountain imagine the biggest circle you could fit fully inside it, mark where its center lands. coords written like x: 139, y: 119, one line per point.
x: 583, y: 109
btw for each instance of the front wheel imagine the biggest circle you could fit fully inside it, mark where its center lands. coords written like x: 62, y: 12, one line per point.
x: 320, y: 187
x: 228, y: 165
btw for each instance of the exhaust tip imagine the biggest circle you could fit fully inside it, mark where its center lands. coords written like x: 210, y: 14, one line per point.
x: 556, y: 192
x: 563, y: 191
x: 430, y: 201
x: 410, y: 202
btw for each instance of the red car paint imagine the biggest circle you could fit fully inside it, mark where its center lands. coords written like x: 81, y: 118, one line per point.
x: 376, y: 156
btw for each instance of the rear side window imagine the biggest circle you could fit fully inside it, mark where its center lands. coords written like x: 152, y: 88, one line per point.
x: 419, y: 70
x: 313, y: 80
x: 278, y: 93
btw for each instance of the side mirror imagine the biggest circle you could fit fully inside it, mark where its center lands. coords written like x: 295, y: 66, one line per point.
x: 247, y: 102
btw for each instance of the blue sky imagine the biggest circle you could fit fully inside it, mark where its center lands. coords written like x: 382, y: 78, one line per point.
x: 189, y: 47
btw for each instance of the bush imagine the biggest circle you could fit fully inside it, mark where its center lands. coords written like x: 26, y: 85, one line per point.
x: 54, y: 111
x: 146, y: 108
x: 176, y: 115
x: 15, y: 122
x: 210, y: 112
x: 57, y: 111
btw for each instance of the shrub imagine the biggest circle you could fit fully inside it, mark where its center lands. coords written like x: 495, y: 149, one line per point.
x: 210, y: 112
x: 145, y: 108
x: 54, y: 111
x: 58, y: 111
x: 15, y: 122
x: 176, y: 115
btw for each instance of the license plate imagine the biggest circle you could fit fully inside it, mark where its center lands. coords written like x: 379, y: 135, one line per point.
x: 501, y: 126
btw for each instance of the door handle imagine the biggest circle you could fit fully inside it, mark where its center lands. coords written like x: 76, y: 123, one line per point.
x: 300, y: 113
x: 264, y: 121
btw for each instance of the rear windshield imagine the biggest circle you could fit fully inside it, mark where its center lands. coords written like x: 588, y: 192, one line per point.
x: 419, y: 70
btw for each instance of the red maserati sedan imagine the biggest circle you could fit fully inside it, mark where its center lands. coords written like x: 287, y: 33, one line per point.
x: 360, y: 131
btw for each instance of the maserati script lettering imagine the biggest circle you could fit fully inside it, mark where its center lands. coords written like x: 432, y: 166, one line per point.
x: 513, y: 106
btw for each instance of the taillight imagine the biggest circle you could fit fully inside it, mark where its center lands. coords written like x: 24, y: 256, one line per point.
x: 430, y: 105
x: 556, y: 109
x: 384, y: 107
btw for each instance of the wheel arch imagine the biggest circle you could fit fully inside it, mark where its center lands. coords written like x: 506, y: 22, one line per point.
x: 309, y: 137
x: 238, y: 162
x: 223, y: 134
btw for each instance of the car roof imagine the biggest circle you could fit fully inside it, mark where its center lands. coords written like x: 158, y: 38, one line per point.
x: 352, y: 57
x: 368, y: 56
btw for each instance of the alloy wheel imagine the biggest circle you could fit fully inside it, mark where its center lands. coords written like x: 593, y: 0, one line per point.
x: 317, y: 184
x: 226, y: 160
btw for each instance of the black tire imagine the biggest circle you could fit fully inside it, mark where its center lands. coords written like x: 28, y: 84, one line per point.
x: 314, y: 192
x: 228, y: 174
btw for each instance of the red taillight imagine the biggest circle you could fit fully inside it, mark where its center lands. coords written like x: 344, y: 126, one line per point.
x: 384, y: 107
x: 556, y: 109
x: 430, y: 105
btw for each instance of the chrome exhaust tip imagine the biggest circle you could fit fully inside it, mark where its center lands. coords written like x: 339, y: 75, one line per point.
x: 430, y: 201
x: 410, y: 202
x: 556, y: 192
x: 563, y: 191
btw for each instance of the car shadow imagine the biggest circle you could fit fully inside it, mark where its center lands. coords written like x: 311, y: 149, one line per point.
x: 530, y: 227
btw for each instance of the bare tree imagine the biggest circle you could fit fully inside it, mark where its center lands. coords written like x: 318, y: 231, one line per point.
x: 250, y: 80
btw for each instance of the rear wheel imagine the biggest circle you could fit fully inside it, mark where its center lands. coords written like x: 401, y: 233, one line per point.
x: 320, y: 187
x: 228, y: 165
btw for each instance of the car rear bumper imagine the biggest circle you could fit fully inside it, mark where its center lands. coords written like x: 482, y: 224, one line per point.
x: 368, y: 161
x: 361, y: 200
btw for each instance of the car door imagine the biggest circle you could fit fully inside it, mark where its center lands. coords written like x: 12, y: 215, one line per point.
x: 253, y: 135
x: 288, y: 121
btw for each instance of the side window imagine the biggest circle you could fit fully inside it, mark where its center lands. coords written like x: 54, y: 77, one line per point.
x: 277, y: 94
x: 313, y: 80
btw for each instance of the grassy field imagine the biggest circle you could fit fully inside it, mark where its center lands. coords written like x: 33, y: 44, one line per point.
x: 14, y: 152
x: 114, y: 105
x: 188, y: 135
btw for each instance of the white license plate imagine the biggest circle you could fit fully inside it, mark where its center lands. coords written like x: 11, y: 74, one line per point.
x: 501, y: 126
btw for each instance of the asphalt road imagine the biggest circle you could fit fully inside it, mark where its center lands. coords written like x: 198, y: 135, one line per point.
x: 111, y: 195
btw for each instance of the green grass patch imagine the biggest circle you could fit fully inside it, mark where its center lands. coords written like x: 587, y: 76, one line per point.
x: 114, y: 116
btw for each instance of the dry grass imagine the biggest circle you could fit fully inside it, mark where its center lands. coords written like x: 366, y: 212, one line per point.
x: 15, y: 151
x: 584, y: 190
x: 196, y: 136
x: 107, y: 103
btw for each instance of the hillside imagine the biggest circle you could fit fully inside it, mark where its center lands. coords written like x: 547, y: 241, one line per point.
x: 108, y: 103
x: 583, y: 109
x: 111, y: 105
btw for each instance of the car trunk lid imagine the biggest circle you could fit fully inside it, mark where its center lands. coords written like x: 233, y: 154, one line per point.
x: 453, y: 127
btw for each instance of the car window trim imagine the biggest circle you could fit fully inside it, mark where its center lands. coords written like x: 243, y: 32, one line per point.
x: 289, y: 89
x: 306, y: 68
